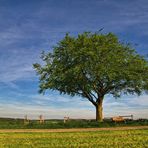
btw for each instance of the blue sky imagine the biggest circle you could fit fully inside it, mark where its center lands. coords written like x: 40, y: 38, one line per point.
x: 30, y: 26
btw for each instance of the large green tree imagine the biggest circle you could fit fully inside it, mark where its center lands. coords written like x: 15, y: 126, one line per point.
x: 92, y: 65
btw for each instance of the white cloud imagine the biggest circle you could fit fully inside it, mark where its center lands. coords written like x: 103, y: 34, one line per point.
x: 16, y: 73
x: 75, y: 108
x: 61, y: 100
x: 137, y: 106
x: 139, y: 101
x: 19, y: 110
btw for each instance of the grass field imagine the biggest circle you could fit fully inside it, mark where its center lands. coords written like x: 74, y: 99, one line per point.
x: 107, y: 139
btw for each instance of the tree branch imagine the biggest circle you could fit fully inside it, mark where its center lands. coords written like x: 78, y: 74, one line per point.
x: 88, y: 96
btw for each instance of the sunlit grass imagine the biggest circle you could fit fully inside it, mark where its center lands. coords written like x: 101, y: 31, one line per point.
x: 108, y: 139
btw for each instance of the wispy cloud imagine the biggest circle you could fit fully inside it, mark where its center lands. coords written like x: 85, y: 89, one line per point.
x: 61, y: 106
x: 33, y: 111
x: 137, y: 106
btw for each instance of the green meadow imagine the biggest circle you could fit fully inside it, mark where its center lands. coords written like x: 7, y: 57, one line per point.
x: 107, y: 139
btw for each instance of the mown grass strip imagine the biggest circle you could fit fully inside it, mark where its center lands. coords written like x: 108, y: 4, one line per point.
x: 121, y: 138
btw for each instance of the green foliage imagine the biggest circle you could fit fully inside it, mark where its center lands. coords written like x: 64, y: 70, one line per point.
x: 92, y: 65
x: 108, y: 139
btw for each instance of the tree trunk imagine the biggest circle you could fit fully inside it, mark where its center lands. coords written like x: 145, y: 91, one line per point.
x: 99, y: 110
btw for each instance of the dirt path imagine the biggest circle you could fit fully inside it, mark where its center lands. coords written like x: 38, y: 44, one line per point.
x: 70, y: 130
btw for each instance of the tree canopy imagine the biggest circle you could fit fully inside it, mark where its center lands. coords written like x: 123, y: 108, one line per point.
x: 92, y: 65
